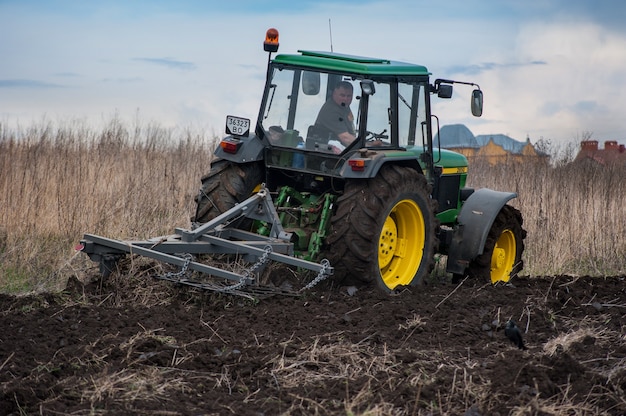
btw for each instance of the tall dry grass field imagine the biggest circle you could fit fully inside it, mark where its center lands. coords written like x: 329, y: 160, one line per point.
x: 573, y: 212
x: 57, y: 183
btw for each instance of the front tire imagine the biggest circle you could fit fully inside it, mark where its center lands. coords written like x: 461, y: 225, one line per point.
x: 502, y: 254
x: 384, y: 230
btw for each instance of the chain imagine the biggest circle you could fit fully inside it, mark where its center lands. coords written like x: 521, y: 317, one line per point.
x: 176, y: 277
x: 231, y: 288
x: 247, y: 274
x: 260, y: 262
x: 323, y: 274
x: 183, y: 270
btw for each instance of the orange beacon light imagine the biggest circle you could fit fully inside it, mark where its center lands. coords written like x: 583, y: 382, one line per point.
x: 271, y: 40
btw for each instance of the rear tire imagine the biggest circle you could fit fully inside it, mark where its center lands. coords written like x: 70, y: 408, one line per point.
x: 384, y: 230
x: 226, y: 185
x: 502, y: 254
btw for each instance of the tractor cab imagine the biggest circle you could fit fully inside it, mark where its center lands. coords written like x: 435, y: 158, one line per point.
x: 318, y: 108
x: 321, y: 111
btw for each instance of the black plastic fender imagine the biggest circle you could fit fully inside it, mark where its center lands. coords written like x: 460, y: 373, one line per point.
x: 376, y: 160
x: 251, y: 150
x: 474, y: 222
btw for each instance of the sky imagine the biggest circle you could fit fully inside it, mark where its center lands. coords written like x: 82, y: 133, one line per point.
x: 549, y: 69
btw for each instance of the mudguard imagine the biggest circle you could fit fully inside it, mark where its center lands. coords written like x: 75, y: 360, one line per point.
x: 374, y: 161
x: 251, y: 150
x: 474, y: 222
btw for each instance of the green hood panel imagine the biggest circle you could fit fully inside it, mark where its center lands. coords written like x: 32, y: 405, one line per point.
x: 449, y: 159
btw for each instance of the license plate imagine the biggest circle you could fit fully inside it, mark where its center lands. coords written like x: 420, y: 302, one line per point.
x: 237, y: 126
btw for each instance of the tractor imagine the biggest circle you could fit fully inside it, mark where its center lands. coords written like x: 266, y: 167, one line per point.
x: 340, y: 175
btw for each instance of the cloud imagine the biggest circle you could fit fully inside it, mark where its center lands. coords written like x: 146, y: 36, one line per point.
x: 67, y: 74
x: 129, y: 80
x: 169, y: 63
x: 27, y: 83
x: 577, y: 88
x: 550, y: 108
x: 584, y: 106
x: 547, y: 69
x: 489, y: 66
x: 610, y: 14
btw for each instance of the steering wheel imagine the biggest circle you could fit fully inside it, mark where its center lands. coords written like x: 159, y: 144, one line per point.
x: 372, y: 137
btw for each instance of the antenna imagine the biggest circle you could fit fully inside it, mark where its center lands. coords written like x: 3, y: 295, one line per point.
x: 330, y: 31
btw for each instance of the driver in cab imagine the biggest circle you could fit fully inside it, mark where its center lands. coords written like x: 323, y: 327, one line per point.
x: 336, y: 117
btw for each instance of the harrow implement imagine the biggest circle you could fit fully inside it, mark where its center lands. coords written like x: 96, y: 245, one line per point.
x: 217, y: 236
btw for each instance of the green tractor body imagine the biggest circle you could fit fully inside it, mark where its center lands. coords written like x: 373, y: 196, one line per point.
x: 378, y: 207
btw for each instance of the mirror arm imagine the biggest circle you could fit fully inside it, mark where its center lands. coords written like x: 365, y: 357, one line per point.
x: 439, y: 81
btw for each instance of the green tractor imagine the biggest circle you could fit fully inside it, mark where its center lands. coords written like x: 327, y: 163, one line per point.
x: 344, y: 144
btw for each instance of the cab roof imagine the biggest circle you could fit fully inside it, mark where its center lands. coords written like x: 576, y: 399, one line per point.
x: 332, y: 61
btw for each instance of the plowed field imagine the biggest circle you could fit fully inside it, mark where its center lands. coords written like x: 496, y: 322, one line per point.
x: 141, y: 346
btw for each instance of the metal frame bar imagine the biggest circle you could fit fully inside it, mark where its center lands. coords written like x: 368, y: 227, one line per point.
x: 128, y: 247
x: 213, y: 237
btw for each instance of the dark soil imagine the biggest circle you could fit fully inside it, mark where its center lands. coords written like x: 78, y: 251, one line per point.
x: 141, y: 346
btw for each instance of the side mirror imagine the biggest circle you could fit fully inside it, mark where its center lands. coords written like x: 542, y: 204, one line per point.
x: 444, y: 91
x: 310, y: 83
x: 367, y: 87
x: 477, y: 103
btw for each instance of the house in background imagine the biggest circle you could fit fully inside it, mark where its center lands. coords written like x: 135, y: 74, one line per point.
x: 613, y: 153
x: 492, y: 148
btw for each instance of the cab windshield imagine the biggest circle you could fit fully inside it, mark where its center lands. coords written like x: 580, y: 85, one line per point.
x: 323, y: 112
x: 293, y: 115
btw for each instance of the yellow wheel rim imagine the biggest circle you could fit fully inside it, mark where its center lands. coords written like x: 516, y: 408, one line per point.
x: 503, y: 257
x: 401, y: 244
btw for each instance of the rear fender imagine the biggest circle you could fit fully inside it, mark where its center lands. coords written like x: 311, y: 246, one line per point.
x: 375, y: 161
x: 474, y: 222
x: 251, y: 150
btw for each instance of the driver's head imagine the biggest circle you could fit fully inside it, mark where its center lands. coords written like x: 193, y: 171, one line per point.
x: 342, y: 94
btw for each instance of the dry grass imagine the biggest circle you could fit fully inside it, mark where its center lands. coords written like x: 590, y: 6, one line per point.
x: 134, y: 181
x: 572, y: 212
x: 331, y: 361
x: 60, y: 182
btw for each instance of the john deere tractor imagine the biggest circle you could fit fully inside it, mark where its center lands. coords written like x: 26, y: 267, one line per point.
x: 362, y: 186
x: 339, y: 176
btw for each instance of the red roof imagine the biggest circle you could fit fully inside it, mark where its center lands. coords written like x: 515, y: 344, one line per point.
x: 612, y: 152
